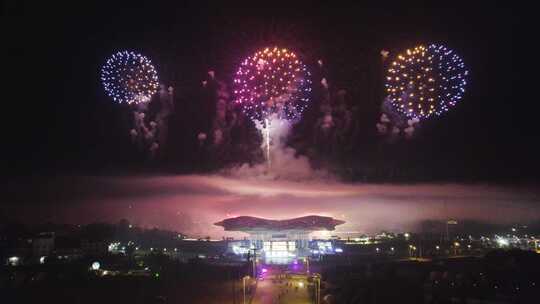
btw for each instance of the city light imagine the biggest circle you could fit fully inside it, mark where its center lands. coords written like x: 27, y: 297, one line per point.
x: 13, y: 261
x: 239, y: 250
x: 324, y: 247
x: 502, y: 242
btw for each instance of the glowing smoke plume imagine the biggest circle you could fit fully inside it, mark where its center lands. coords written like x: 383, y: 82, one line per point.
x: 286, y: 164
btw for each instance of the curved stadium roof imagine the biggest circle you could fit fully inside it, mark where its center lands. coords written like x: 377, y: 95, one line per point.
x: 310, y: 222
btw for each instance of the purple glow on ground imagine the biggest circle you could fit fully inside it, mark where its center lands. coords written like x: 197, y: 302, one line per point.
x: 191, y: 204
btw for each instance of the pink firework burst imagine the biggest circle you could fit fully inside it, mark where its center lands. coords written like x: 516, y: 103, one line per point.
x: 272, y: 81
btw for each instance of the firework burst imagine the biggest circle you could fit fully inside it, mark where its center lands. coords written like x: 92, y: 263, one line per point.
x: 129, y: 77
x: 426, y: 81
x: 273, y: 81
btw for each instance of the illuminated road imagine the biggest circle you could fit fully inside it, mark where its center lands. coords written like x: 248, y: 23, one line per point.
x: 270, y: 289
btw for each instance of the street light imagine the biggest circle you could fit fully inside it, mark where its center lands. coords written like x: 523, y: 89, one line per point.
x: 244, y: 284
x: 254, y: 259
x: 317, y: 278
x: 412, y: 250
x: 456, y: 245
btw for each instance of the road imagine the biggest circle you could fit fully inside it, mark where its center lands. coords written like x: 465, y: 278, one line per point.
x: 273, y: 291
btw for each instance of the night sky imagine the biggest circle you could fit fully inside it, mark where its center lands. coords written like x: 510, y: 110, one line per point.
x: 66, y: 122
x: 61, y: 123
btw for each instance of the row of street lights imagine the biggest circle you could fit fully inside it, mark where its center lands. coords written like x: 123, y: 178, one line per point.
x: 317, y: 278
x: 244, y: 285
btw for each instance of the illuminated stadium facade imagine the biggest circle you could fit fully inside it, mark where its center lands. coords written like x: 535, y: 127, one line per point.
x: 277, y: 241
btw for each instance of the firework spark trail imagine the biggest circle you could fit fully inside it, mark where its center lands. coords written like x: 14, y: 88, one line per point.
x: 267, y: 133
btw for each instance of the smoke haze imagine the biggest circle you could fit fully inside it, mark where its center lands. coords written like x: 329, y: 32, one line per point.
x: 192, y: 203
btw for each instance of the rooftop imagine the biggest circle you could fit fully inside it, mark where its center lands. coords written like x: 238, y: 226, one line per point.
x: 310, y: 222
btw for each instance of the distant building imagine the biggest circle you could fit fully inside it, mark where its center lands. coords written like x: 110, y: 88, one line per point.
x: 43, y: 244
x: 278, y: 241
x: 94, y: 247
x: 68, y: 248
x: 200, y: 249
x: 16, y: 252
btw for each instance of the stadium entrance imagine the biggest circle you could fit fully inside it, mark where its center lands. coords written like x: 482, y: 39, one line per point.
x: 279, y: 241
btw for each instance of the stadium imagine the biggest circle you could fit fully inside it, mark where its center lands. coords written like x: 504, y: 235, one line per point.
x: 279, y: 241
